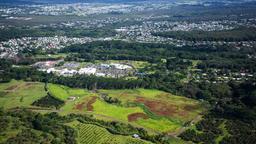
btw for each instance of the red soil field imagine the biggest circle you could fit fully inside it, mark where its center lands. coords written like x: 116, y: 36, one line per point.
x: 135, y: 116
x: 89, y: 104
x: 162, y: 108
x: 80, y: 106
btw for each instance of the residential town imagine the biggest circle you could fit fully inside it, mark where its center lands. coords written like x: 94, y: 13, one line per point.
x: 12, y: 47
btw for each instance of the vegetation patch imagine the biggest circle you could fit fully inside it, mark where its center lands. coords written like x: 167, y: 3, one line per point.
x: 26, y: 126
x: 49, y: 101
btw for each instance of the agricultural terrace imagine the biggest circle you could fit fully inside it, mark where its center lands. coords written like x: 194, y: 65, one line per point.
x: 92, y: 134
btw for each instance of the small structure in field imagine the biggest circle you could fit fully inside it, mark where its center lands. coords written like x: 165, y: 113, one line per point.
x: 135, y: 136
x: 72, y: 98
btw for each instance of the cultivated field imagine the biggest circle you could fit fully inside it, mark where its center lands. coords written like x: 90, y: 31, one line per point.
x: 154, y: 110
x: 92, y: 134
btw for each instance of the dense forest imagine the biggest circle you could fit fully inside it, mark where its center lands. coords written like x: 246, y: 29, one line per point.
x: 19, y: 32
x: 118, y: 50
x: 240, y: 34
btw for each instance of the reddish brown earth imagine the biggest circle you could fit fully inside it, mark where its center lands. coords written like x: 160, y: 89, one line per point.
x: 135, y: 116
x: 89, y: 104
x: 86, y: 104
x: 162, y: 108
x: 80, y: 106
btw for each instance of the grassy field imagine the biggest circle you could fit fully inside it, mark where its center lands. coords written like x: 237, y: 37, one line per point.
x: 20, y: 93
x: 154, y: 110
x: 92, y: 134
x: 117, y: 112
x: 63, y: 92
x: 159, y: 125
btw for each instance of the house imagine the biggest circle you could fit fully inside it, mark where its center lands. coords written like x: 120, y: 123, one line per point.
x: 135, y: 136
x: 72, y: 98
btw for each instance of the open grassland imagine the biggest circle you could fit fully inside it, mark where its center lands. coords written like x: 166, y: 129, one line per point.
x: 92, y: 134
x: 20, y: 93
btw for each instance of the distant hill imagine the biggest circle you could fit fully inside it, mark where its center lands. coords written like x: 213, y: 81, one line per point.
x: 109, y: 1
x: 64, y: 1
